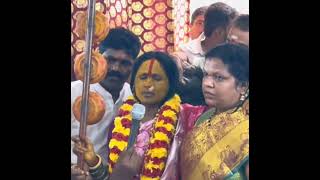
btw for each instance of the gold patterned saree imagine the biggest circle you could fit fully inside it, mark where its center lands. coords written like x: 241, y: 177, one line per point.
x: 218, y: 147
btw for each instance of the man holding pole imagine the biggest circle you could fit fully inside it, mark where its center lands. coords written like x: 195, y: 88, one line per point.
x: 120, y: 48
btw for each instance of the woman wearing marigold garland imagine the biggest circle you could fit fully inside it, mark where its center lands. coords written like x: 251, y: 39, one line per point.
x: 154, y: 81
x: 217, y: 147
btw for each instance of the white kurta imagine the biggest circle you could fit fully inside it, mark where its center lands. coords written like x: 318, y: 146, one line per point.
x: 194, y: 51
x: 97, y: 133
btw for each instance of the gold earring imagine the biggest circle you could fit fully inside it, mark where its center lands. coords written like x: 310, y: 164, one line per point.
x: 244, y: 95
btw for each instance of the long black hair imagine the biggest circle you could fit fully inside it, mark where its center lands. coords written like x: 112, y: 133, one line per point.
x: 166, y: 62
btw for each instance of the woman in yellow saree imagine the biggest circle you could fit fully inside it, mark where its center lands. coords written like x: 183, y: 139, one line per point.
x: 218, y: 146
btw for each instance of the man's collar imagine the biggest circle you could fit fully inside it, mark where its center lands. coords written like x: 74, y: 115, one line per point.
x: 195, y: 47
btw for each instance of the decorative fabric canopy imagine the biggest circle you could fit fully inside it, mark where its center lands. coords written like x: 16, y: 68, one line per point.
x: 161, y: 24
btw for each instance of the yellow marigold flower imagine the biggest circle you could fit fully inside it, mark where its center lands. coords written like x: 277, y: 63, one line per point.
x: 113, y: 157
x: 158, y: 152
x: 112, y: 143
x: 128, y: 116
x: 130, y: 98
x: 126, y: 107
x: 149, y: 178
x: 169, y: 127
x: 122, y: 130
x: 169, y: 113
x: 117, y: 122
x: 150, y: 165
x: 174, y: 103
x: 120, y: 144
x: 161, y: 136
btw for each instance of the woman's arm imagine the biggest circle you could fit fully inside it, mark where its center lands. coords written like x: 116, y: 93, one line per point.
x: 99, y: 171
x: 85, y: 149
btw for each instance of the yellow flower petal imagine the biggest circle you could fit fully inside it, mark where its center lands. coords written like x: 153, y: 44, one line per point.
x: 169, y: 113
x: 113, y: 157
x: 110, y: 169
x: 130, y: 98
x: 149, y: 178
x: 128, y: 116
x: 120, y: 144
x: 150, y: 165
x: 158, y: 152
x: 161, y: 136
x: 122, y: 130
x: 126, y: 107
x: 174, y: 103
x: 117, y: 122
x: 169, y: 127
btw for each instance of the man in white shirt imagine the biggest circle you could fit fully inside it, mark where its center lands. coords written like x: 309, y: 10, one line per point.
x: 190, y: 57
x: 217, y: 19
x: 197, y: 20
x: 191, y: 53
x: 120, y: 48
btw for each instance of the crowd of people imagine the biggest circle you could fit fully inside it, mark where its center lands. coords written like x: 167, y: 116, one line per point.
x: 196, y: 121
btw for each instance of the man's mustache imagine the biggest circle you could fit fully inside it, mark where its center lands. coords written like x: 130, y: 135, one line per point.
x: 115, y: 74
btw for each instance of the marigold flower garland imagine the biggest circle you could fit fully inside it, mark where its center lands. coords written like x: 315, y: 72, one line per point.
x: 163, y: 133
